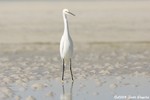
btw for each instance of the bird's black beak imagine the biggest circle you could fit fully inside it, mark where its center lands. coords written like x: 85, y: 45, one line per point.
x: 71, y: 13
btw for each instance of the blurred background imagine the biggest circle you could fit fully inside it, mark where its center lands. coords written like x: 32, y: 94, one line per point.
x: 40, y: 21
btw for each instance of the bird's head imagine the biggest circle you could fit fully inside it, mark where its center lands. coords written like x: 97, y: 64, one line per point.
x: 66, y: 11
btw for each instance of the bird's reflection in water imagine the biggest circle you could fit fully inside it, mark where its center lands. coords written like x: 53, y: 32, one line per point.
x: 67, y: 94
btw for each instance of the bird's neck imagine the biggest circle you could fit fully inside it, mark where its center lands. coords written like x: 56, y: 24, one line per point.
x: 66, y: 27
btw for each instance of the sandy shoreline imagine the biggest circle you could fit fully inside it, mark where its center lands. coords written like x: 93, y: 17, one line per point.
x: 111, y: 50
x: 33, y: 72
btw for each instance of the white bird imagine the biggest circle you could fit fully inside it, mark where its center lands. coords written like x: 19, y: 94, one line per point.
x: 66, y: 43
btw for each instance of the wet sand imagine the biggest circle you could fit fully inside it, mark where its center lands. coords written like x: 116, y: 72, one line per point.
x: 112, y: 50
x: 101, y: 71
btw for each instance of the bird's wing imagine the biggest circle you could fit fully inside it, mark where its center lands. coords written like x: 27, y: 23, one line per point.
x: 61, y: 47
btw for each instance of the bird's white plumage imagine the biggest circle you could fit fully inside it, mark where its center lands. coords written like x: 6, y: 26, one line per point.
x: 66, y: 43
x: 66, y: 47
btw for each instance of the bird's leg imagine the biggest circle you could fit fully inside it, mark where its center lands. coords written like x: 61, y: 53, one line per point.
x: 63, y: 70
x: 71, y: 70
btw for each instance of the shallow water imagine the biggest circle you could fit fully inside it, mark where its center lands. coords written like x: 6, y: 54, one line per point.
x: 104, y: 71
x: 106, y: 89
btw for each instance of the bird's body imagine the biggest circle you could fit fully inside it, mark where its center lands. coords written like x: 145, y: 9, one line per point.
x: 66, y: 44
x: 66, y: 47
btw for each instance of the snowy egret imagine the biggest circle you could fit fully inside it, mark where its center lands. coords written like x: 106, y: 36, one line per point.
x: 66, y: 44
